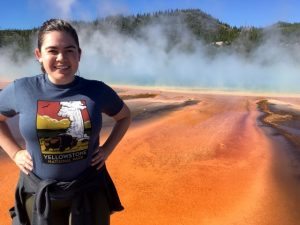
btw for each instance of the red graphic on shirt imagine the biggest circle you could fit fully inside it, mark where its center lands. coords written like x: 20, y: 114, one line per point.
x: 63, y: 130
x: 51, y: 109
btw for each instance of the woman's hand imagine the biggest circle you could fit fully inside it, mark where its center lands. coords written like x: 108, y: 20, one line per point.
x: 23, y: 160
x: 99, y: 157
x: 20, y: 156
x: 122, y: 119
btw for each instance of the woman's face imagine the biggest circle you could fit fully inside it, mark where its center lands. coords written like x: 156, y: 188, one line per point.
x: 60, y: 56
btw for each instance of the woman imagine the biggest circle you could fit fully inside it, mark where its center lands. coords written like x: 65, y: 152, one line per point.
x: 63, y: 177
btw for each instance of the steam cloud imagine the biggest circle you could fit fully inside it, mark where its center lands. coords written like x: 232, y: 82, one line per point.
x: 149, y: 60
x: 108, y: 8
x: 64, y: 7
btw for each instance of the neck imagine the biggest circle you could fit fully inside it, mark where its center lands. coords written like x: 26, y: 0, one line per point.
x: 61, y: 81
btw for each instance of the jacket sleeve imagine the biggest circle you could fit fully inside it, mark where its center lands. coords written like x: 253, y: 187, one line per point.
x: 18, y: 212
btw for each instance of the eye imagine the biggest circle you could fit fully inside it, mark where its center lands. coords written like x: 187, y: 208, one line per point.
x: 53, y: 52
x: 70, y: 50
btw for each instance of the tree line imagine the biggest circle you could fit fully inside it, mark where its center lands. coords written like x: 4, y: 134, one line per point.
x: 203, y: 26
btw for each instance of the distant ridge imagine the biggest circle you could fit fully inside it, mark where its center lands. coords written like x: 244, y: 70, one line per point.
x: 202, y: 25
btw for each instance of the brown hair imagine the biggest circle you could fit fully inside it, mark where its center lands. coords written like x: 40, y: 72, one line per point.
x: 56, y: 25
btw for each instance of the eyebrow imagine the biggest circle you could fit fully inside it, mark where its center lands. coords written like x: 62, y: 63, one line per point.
x: 55, y: 47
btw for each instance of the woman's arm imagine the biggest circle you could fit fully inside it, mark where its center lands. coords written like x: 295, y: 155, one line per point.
x: 123, y: 119
x: 20, y: 156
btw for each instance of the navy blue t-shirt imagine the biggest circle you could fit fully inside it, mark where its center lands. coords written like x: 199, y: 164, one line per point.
x: 59, y: 123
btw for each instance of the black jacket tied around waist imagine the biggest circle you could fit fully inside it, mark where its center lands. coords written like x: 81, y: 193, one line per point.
x: 78, y: 190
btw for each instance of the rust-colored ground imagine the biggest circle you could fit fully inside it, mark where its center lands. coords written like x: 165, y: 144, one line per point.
x: 209, y: 163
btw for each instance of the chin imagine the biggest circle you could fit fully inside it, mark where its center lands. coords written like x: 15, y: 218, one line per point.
x: 62, y: 78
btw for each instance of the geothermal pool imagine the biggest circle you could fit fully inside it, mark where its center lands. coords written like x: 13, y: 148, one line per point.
x: 211, y: 162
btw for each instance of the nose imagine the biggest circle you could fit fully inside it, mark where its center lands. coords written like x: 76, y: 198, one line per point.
x: 60, y: 56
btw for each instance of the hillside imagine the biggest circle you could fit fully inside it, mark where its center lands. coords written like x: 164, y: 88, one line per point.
x: 201, y: 25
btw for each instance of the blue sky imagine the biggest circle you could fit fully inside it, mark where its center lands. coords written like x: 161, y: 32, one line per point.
x: 24, y: 14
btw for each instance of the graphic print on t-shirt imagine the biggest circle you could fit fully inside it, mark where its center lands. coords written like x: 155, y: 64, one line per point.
x: 63, y: 129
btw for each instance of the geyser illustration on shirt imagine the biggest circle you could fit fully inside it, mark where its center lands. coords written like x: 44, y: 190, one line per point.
x: 63, y: 129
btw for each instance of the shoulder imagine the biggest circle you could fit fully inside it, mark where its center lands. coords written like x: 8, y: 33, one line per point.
x: 28, y: 81
x: 90, y: 82
x: 20, y: 82
x: 95, y: 84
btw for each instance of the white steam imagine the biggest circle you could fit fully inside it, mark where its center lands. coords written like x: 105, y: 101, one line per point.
x: 13, y: 66
x: 54, y: 9
x: 151, y: 59
x: 108, y: 8
x: 64, y: 7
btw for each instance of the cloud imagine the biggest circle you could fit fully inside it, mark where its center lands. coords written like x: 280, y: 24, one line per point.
x: 63, y: 8
x: 46, y: 122
x: 55, y: 9
x: 108, y: 8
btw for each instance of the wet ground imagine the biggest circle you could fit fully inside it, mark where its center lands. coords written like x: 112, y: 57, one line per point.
x: 212, y: 162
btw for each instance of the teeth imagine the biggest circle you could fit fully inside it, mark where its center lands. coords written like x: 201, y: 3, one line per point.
x: 62, y: 67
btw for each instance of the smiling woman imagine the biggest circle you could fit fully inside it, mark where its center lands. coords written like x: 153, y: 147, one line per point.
x: 58, y: 52
x: 60, y: 120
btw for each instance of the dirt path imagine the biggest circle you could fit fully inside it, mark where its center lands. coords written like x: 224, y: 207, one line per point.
x: 205, y: 164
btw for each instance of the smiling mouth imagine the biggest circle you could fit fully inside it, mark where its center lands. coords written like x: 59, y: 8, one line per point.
x: 62, y: 67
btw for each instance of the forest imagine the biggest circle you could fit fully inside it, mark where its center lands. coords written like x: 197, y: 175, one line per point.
x: 201, y: 25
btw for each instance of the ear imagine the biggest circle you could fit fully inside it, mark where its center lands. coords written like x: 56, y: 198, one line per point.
x: 79, y: 50
x: 38, y: 55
